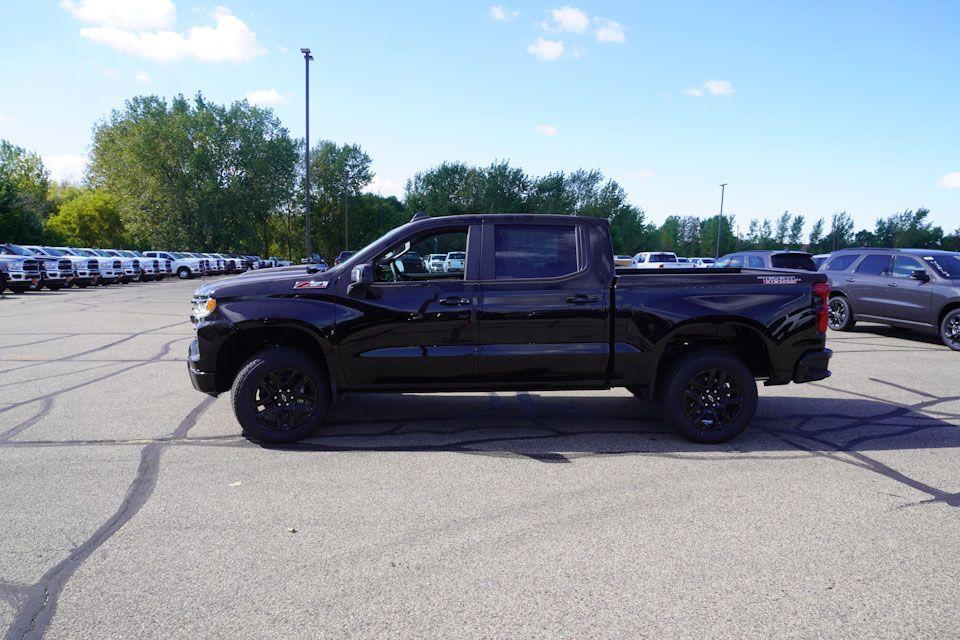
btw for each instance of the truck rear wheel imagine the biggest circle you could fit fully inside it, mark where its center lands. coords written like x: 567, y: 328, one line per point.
x: 950, y: 330
x: 280, y: 395
x: 709, y: 396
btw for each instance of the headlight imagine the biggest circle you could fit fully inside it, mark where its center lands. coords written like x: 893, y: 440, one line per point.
x: 203, y: 307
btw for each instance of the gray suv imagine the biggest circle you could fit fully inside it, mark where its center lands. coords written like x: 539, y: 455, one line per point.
x: 911, y: 288
x: 758, y: 259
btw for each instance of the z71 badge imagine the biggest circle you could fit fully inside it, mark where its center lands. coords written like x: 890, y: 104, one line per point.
x: 779, y: 279
x: 311, y: 284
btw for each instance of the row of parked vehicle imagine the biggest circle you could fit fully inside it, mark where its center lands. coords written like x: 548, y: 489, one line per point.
x: 32, y: 267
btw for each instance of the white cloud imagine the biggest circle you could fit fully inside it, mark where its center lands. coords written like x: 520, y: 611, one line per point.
x: 230, y: 40
x: 124, y: 14
x: 66, y: 166
x: 385, y: 186
x: 713, y: 87
x: 546, y: 50
x: 950, y: 181
x: 502, y: 14
x: 142, y: 76
x: 567, y: 19
x: 718, y: 87
x: 609, y: 31
x: 547, y: 130
x: 282, y: 49
x: 634, y: 176
x: 264, y: 97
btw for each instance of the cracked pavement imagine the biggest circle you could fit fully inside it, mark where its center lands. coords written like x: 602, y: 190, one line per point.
x: 131, y: 506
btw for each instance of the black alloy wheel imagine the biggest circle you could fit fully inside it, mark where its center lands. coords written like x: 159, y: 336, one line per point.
x: 709, y: 396
x: 281, y: 395
x: 839, y: 314
x: 284, y: 399
x: 950, y: 330
x: 712, y: 399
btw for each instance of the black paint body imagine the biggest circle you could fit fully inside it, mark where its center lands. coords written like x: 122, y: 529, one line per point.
x: 592, y: 329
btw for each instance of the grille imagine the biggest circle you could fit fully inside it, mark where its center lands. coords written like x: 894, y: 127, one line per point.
x: 64, y: 265
x: 136, y: 264
x: 156, y: 265
x: 116, y: 264
x: 92, y: 265
x: 169, y: 265
x: 31, y: 265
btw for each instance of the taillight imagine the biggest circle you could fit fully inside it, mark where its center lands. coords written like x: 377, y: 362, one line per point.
x: 822, y: 290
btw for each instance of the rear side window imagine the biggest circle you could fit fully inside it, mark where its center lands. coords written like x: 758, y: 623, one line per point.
x: 874, y: 265
x: 662, y: 257
x: 523, y: 251
x: 793, y: 261
x: 755, y: 262
x: 842, y: 263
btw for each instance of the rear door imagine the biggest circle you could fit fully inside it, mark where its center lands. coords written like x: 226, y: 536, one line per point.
x: 543, y: 309
x: 908, y: 299
x: 867, y: 285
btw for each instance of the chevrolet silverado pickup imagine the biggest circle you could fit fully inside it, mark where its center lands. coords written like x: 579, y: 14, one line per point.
x: 538, y: 306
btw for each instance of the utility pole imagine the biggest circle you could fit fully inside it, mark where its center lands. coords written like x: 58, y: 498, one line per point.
x: 306, y: 157
x: 346, y: 215
x: 723, y: 188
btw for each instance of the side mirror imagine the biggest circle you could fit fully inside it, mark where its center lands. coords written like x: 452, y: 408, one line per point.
x: 361, y: 277
x: 921, y: 275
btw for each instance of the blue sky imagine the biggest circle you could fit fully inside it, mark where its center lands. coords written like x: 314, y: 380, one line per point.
x: 810, y: 107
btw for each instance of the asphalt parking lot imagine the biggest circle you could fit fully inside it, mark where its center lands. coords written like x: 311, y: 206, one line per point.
x: 130, y: 506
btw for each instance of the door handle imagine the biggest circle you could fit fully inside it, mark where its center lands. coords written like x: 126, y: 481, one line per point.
x: 454, y: 301
x: 582, y: 298
x: 851, y: 279
x: 892, y: 284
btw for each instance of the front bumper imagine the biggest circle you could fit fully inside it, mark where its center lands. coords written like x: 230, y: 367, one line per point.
x: 30, y: 277
x: 204, y: 381
x: 812, y: 366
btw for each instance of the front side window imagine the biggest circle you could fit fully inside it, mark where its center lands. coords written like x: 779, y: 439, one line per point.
x: 736, y: 262
x: 529, y: 251
x: 408, y: 260
x: 874, y: 265
x: 904, y: 266
x: 842, y: 263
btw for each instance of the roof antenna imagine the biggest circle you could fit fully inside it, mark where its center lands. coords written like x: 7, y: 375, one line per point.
x: 419, y: 215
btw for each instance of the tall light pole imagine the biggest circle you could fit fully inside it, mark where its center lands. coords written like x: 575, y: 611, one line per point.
x: 306, y: 156
x: 723, y: 188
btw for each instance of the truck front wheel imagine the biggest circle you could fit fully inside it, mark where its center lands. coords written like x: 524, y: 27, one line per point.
x: 184, y: 273
x: 709, y: 396
x: 280, y: 395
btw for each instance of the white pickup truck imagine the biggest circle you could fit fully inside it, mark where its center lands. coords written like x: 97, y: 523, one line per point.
x: 658, y: 260
x: 111, y: 269
x: 184, y: 265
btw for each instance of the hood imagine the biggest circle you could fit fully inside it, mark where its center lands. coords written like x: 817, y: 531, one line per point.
x: 263, y: 281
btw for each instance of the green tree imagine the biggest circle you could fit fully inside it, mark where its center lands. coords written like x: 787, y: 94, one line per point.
x: 708, y: 236
x: 338, y: 175
x: 90, y: 219
x: 23, y: 189
x: 816, y: 235
x: 192, y: 174
x: 908, y: 229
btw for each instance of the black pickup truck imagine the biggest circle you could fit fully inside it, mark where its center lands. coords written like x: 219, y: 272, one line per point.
x: 538, y: 306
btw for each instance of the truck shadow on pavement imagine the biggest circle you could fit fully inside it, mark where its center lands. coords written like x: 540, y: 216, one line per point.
x: 560, y: 429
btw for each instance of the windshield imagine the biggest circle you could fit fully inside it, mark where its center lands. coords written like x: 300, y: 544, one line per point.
x: 83, y: 252
x: 15, y: 250
x: 946, y: 264
x: 50, y: 251
x: 793, y: 261
x: 179, y: 256
x: 457, y: 256
x: 662, y: 257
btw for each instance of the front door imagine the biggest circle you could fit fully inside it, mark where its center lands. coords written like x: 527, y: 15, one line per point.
x: 414, y: 325
x: 907, y: 299
x: 543, y: 310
